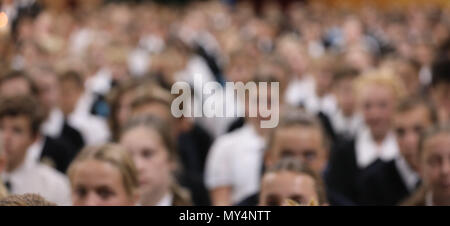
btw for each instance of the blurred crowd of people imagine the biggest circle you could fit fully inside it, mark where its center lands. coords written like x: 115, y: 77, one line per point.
x: 85, y: 107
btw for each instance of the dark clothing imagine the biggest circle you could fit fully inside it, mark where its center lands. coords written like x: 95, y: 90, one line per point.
x: 72, y: 137
x: 193, y: 147
x: 57, y: 154
x: 383, y: 185
x: 343, y: 175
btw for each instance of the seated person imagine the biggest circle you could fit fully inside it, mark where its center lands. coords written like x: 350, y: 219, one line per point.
x: 440, y: 89
x: 434, y: 165
x: 192, y: 141
x: 53, y: 149
x: 390, y: 182
x: 19, y: 129
x: 289, y: 179
x: 150, y: 142
x: 104, y: 176
x: 301, y: 136
x: 378, y: 93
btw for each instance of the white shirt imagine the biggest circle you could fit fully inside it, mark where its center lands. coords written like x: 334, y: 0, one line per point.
x: 367, y: 150
x: 167, y: 200
x: 53, y: 126
x: 94, y: 129
x: 235, y: 160
x: 408, y: 175
x: 33, y: 177
x: 348, y: 126
x: 304, y: 91
x: 35, y: 150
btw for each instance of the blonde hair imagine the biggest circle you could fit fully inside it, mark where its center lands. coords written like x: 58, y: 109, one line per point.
x: 383, y: 77
x: 116, y: 156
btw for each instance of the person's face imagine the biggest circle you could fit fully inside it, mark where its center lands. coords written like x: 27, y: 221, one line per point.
x: 409, y: 126
x: 48, y: 91
x: 151, y: 158
x: 16, y: 137
x: 124, y: 108
x: 276, y: 188
x: 409, y: 76
x: 303, y: 143
x: 70, y: 93
x: 98, y: 183
x: 435, y: 165
x: 345, y: 96
x: 323, y: 81
x: 441, y: 98
x: 377, y: 103
x: 15, y: 87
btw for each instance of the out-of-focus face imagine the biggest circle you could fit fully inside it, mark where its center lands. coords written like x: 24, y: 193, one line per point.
x: 16, y: 138
x: 378, y: 105
x: 345, y: 96
x: 409, y: 76
x: 441, y: 98
x: 151, y: 158
x: 435, y: 166
x: 98, y: 183
x: 409, y: 126
x: 276, y: 188
x: 15, y: 87
x: 70, y: 94
x: 303, y: 143
x: 324, y: 79
x: 48, y: 91
x: 124, y: 108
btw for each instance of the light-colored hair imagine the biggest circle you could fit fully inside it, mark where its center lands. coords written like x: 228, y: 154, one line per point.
x: 384, y: 78
x: 297, y: 167
x: 114, y: 155
x: 25, y: 200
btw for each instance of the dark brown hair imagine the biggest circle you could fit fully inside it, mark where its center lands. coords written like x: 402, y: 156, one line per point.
x: 22, y: 106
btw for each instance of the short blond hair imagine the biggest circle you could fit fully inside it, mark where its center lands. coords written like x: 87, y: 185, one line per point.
x: 383, y: 77
x: 114, y: 155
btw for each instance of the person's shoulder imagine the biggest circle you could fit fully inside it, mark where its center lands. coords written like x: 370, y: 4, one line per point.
x: 49, y: 174
x: 416, y: 199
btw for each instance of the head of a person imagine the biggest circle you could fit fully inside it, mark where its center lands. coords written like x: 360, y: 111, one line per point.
x: 435, y: 163
x: 152, y: 99
x: 120, y: 99
x: 46, y: 81
x: 20, y: 120
x: 323, y: 71
x: 104, y: 176
x: 440, y: 88
x: 71, y: 87
x: 342, y: 87
x: 292, y: 180
x: 17, y: 83
x: 25, y: 200
x: 150, y: 142
x: 299, y: 135
x: 378, y: 93
x: 413, y: 117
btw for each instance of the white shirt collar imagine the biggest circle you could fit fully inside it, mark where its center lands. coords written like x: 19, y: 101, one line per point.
x: 167, y: 200
x: 367, y: 150
x: 18, y: 174
x: 35, y: 150
x: 408, y: 175
x: 53, y: 125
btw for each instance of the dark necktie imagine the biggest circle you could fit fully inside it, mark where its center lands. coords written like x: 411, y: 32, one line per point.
x: 8, y: 185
